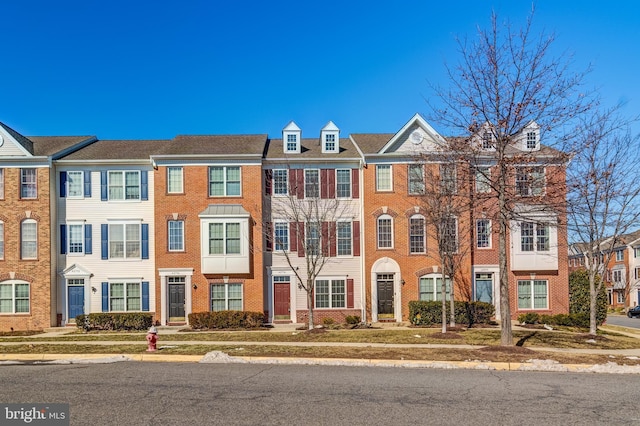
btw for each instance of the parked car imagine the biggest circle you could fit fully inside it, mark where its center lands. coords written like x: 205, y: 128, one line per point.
x: 634, y: 312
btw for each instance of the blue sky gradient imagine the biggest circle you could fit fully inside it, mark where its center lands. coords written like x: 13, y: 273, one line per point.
x: 155, y: 69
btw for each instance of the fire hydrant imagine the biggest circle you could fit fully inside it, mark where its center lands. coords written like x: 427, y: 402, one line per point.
x: 152, y: 338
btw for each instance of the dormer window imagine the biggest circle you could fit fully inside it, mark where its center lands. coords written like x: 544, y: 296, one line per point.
x: 532, y: 140
x: 487, y: 140
x: 329, y: 138
x: 329, y: 143
x: 291, y: 138
x: 292, y: 143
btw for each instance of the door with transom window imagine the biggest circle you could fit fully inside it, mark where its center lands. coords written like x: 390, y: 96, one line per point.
x: 385, y: 296
x: 176, y: 298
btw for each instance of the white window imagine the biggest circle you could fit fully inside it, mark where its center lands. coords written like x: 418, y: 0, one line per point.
x: 311, y: 183
x: 451, y: 235
x: 416, y: 179
x: 226, y: 297
x: 448, y: 178
x: 620, y: 296
x: 75, y: 184
x: 487, y: 140
x: 417, y: 234
x: 28, y: 239
x: 124, y: 185
x: 430, y: 288
x: 532, y: 294
x: 619, y: 255
x: 224, y: 238
x: 14, y: 297
x: 343, y: 183
x: 281, y: 236
x: 329, y: 143
x: 312, y: 239
x: 280, y: 181
x: 530, y: 181
x: 617, y: 276
x: 532, y: 140
x: 224, y: 181
x: 124, y: 241
x: 636, y: 252
x: 330, y: 293
x: 1, y: 240
x: 637, y: 273
x: 343, y: 231
x: 175, y: 180
x: 385, y: 232
x: 28, y: 183
x: 125, y: 296
x: 176, y: 235
x: 483, y: 233
x: 292, y: 143
x: 534, y: 237
x: 483, y: 180
x: 383, y: 178
x: 75, y: 238
x: 1, y: 184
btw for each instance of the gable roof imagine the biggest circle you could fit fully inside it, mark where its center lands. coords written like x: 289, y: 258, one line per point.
x: 311, y: 149
x: 22, y: 140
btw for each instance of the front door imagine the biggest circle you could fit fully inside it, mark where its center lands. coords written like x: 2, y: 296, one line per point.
x: 281, y: 300
x: 176, y: 302
x: 484, y: 288
x: 385, y: 295
x: 75, y: 300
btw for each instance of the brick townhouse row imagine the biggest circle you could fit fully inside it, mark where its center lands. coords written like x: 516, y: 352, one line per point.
x: 215, y: 222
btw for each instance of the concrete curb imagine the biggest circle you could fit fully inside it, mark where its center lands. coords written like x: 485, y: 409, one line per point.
x: 534, y: 365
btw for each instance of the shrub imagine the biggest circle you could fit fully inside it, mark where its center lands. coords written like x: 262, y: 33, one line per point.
x: 428, y: 313
x: 579, y: 296
x: 226, y: 319
x: 130, y: 321
x: 352, y: 319
x: 328, y: 321
x: 529, y: 318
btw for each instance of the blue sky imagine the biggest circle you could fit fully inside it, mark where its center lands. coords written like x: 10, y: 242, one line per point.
x: 154, y: 69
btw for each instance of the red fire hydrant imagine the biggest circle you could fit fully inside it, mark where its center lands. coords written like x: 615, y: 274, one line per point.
x: 152, y: 338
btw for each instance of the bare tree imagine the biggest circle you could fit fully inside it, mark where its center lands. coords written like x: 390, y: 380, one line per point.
x: 446, y: 203
x: 604, y: 193
x: 506, y: 80
x: 314, y: 225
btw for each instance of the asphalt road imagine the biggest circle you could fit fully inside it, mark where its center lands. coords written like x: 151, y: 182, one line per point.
x: 132, y: 393
x: 623, y: 321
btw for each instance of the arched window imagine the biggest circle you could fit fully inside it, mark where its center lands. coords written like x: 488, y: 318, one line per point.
x: 29, y: 239
x: 385, y: 231
x: 430, y: 287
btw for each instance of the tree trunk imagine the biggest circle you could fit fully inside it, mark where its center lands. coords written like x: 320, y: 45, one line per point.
x: 452, y: 305
x: 506, y: 334
x: 310, y: 304
x: 593, y: 299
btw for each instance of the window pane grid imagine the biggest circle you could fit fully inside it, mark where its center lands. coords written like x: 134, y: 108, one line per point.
x: 1, y: 183
x: 282, y: 236
x: 176, y: 235
x: 344, y: 238
x: 416, y: 179
x: 311, y: 184
x: 383, y: 178
x: 526, y: 236
x: 416, y: 235
x: 483, y: 233
x: 29, y: 240
x: 280, y: 182
x: 28, y: 183
x: 14, y: 298
x: 76, y: 238
x: 384, y: 233
x: 226, y: 297
x: 174, y: 180
x: 343, y: 185
x: 75, y: 184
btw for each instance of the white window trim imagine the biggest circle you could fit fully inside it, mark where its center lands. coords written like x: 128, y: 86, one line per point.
x: 224, y: 222
x: 226, y: 295
x: 275, y: 242
x: 483, y: 175
x: 169, y: 237
x: 124, y: 228
x: 124, y: 186
x: 22, y: 240
x: 319, y: 184
x: 22, y: 182
x: 13, y: 297
x: 273, y: 182
x: 489, y: 230
x: 385, y: 217
x: 2, y: 244
x: 331, y: 279
x: 224, y: 181
x: 68, y: 184
x: 124, y: 282
x: 619, y: 255
x: 422, y: 181
x: 424, y: 234
x: 295, y: 142
x: 350, y: 184
x: 68, y: 229
x: 436, y: 289
x: 532, y: 296
x: 181, y: 191
x: 338, y: 222
x: 1, y: 183
x: 390, y: 189
x: 531, y: 182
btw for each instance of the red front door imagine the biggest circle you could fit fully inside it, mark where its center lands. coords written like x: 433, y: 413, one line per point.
x: 282, y: 300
